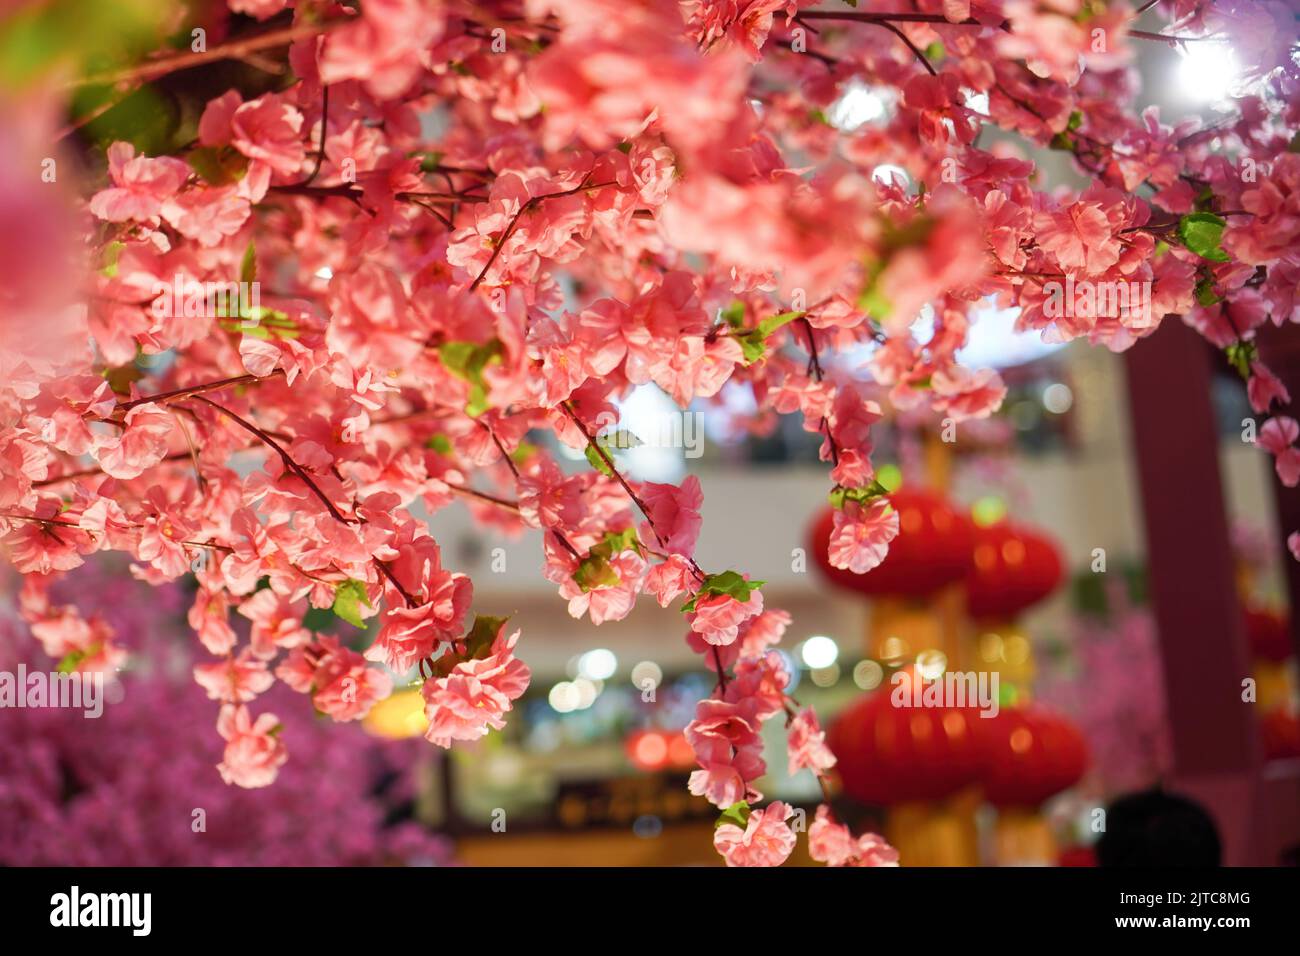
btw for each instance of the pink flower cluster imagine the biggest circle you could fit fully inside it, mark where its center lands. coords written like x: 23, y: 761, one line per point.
x: 473, y: 224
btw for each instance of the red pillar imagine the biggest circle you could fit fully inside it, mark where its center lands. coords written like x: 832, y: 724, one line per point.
x: 1217, y: 755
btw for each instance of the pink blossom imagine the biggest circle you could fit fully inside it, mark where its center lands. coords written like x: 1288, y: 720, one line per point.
x: 476, y: 694
x: 963, y: 394
x: 1264, y: 388
x: 807, y: 744
x: 260, y: 9
x: 1277, y: 436
x: 861, y: 534
x: 341, y: 685
x: 141, y: 444
x: 234, y: 681
x: 832, y: 843
x: 669, y: 579
x: 207, y: 216
x: 674, y: 514
x: 254, y: 752
x: 277, y: 622
x: 385, y: 47
x: 766, y: 840
x: 268, y: 130
x: 140, y: 185
x: 717, y: 617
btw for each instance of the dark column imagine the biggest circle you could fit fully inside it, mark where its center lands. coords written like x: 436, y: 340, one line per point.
x: 1279, y: 348
x: 1217, y: 757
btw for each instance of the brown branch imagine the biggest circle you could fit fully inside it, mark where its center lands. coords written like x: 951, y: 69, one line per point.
x: 191, y: 391
x: 532, y: 203
x: 227, y: 51
x: 285, y: 457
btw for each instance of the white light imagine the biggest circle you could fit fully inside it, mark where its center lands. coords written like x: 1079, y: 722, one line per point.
x: 994, y: 341
x: 598, y: 664
x: 664, y: 431
x: 1057, y: 398
x: 886, y: 173
x: 1208, y: 72
x: 820, y: 651
x: 647, y: 673
x: 868, y: 674
x: 586, y: 691
x: 858, y: 104
x: 922, y: 328
x: 976, y: 102
x: 826, y: 676
x: 563, y: 697
x: 931, y: 664
x: 325, y: 272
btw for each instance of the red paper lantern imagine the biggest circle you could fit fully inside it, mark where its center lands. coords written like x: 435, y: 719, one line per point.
x: 1281, y: 732
x: 1011, y: 569
x: 887, y: 754
x: 1030, y: 754
x: 1269, y: 634
x: 933, y: 548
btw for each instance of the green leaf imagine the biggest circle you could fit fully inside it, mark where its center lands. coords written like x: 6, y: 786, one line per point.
x: 348, y: 598
x: 1240, y: 356
x: 594, y: 572
x: 318, y: 619
x: 1205, y: 294
x: 839, y: 494
x: 1075, y: 121
x: 523, y: 452
x: 484, y: 632
x: 1062, y: 141
x: 734, y: 314
x: 752, y: 347
x: 731, y: 583
x: 620, y: 439
x: 753, y: 344
x: 108, y: 259
x: 429, y: 161
x: 467, y: 360
x: 248, y: 265
x: 774, y: 322
x: 1201, y: 232
x: 218, y: 166
x: 616, y: 542
x: 439, y: 443
x: 737, y: 814
x: 70, y: 661
x: 596, y: 461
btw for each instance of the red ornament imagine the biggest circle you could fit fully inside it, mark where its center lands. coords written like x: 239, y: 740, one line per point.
x: 1012, y: 568
x: 889, y: 754
x: 1269, y: 634
x: 933, y: 548
x: 1281, y: 732
x: 1030, y: 754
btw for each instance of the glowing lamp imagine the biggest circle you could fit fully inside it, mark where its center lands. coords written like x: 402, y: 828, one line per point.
x: 398, y: 716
